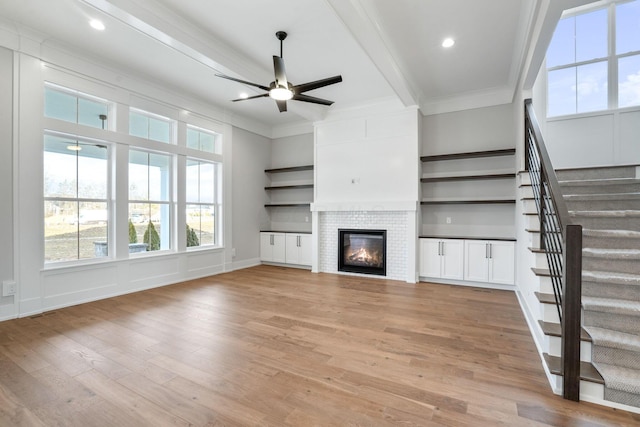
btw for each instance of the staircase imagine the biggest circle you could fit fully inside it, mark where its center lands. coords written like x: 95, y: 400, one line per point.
x: 606, y: 202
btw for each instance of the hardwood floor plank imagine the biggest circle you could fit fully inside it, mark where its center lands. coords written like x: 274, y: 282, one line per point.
x: 139, y: 410
x: 281, y: 347
x: 14, y: 413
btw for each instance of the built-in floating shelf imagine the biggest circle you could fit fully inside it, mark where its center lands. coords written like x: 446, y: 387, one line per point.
x: 287, y: 205
x: 288, y: 187
x: 441, y: 236
x: 290, y: 169
x: 468, y: 202
x: 469, y: 177
x: 469, y: 155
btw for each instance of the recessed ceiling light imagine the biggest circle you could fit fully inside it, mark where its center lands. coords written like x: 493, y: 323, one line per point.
x: 243, y: 95
x: 97, y: 24
x: 448, y: 42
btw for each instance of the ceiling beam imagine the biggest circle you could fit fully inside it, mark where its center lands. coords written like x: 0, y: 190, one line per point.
x: 360, y: 22
x: 161, y: 25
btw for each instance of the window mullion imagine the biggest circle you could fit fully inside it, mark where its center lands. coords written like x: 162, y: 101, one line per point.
x: 613, y: 61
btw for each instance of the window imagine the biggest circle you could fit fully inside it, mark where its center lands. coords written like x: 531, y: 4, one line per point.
x: 593, y: 61
x: 202, y: 140
x: 82, y: 175
x: 201, y: 205
x: 76, y: 194
x: 150, y: 199
x: 150, y: 126
x: 75, y: 107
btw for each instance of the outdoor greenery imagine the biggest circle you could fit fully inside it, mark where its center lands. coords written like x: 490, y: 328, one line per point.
x: 151, y: 238
x: 192, y: 237
x: 133, y: 235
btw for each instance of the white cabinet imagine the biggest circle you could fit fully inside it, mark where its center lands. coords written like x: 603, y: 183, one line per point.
x: 272, y: 247
x: 298, y: 249
x: 489, y: 261
x: 441, y: 258
x: 289, y: 248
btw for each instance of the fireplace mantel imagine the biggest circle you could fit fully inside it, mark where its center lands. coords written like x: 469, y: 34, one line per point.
x: 389, y: 206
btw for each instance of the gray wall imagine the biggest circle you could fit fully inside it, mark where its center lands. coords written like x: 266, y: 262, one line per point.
x: 6, y: 168
x: 251, y: 155
x: 292, y: 151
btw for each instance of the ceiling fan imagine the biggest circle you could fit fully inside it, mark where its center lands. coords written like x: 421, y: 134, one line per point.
x: 281, y: 90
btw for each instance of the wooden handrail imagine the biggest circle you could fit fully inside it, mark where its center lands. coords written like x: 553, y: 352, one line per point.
x: 563, y: 250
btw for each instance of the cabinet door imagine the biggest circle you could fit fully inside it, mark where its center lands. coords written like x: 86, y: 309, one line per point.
x: 501, y: 262
x: 279, y: 245
x: 272, y: 247
x: 476, y: 260
x: 266, y: 251
x: 430, y: 257
x: 452, y: 256
x: 304, y: 250
x: 292, y: 248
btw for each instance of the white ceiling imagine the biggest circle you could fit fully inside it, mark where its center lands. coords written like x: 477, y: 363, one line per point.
x: 382, y: 48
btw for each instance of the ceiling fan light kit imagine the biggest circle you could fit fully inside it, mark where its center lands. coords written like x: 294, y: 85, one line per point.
x: 281, y: 90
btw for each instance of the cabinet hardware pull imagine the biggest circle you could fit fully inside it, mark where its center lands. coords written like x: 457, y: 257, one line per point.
x: 486, y: 250
x: 490, y: 251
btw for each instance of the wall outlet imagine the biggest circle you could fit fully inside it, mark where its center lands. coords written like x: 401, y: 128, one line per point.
x: 8, y: 288
x: 306, y: 219
x: 448, y: 220
x: 233, y: 252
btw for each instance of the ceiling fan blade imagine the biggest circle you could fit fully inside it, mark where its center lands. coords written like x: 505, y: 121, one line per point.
x: 316, y: 84
x: 281, y: 76
x: 282, y: 106
x: 243, y: 81
x: 250, y: 97
x: 312, y: 99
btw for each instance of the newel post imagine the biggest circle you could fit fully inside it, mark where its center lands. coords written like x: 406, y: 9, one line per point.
x: 571, y: 313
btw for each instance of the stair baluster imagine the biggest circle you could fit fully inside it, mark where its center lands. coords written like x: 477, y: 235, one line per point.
x: 562, y: 242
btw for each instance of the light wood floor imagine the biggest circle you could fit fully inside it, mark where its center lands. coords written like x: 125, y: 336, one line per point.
x: 280, y: 347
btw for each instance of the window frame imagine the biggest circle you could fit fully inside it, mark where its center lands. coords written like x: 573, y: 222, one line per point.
x: 106, y: 123
x: 79, y: 200
x: 170, y: 203
x: 149, y: 115
x: 216, y: 203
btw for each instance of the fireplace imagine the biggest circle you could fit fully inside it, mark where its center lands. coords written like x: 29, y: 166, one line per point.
x: 362, y: 251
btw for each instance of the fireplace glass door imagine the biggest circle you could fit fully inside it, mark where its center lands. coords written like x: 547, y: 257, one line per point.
x: 362, y: 251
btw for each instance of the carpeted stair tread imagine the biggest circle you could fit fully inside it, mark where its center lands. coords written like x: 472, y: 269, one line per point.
x: 619, y: 378
x: 606, y: 214
x: 602, y: 181
x: 609, y: 277
x: 605, y: 196
x: 612, y: 305
x: 625, y: 254
x: 614, y: 339
x: 614, y: 234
